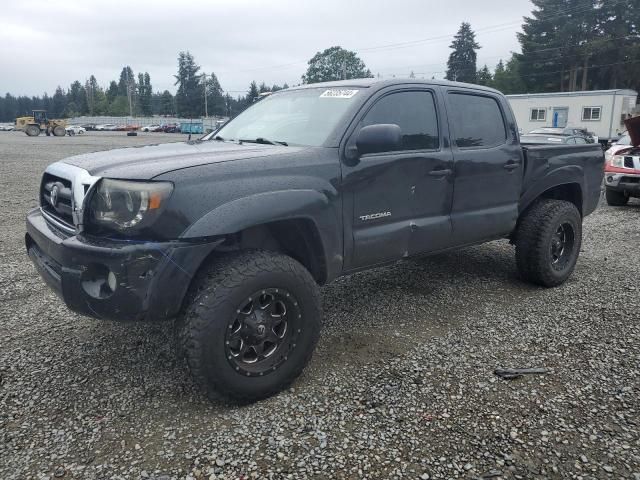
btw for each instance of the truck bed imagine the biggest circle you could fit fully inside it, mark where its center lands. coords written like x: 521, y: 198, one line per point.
x: 544, y: 164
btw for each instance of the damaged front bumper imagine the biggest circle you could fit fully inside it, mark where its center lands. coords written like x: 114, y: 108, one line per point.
x: 114, y: 279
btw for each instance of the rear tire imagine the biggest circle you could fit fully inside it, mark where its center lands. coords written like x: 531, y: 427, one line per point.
x: 548, y: 241
x: 615, y: 198
x: 59, y: 131
x: 250, y: 324
x: 32, y: 130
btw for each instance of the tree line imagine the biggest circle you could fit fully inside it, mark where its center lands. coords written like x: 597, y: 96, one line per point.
x: 566, y: 45
x: 133, y: 95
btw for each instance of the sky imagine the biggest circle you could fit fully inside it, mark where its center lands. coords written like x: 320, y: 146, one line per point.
x: 44, y: 44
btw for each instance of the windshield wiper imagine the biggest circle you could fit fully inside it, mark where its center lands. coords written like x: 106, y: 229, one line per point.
x: 265, y: 141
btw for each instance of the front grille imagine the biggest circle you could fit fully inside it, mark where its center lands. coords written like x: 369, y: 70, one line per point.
x: 628, y: 162
x: 59, y: 204
x: 630, y: 180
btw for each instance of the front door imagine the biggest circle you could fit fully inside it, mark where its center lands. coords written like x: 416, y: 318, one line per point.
x: 488, y: 167
x: 560, y: 117
x: 399, y: 201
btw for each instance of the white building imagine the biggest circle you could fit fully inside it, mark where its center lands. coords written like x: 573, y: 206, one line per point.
x: 600, y: 111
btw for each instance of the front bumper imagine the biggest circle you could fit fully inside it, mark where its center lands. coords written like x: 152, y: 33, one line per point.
x: 623, y: 182
x: 150, y: 278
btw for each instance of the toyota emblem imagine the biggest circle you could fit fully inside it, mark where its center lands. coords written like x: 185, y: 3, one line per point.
x: 53, y: 198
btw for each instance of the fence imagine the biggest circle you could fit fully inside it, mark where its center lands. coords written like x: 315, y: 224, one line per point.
x: 208, y: 124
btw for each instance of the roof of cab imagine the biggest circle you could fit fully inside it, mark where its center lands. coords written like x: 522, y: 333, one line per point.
x: 378, y: 83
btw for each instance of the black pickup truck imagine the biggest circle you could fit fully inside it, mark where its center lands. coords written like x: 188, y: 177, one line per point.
x: 233, y: 233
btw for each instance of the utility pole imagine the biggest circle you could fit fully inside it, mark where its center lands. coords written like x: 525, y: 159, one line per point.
x: 129, y: 93
x: 206, y: 111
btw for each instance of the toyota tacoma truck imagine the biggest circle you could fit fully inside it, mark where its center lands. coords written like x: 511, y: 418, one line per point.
x: 233, y: 234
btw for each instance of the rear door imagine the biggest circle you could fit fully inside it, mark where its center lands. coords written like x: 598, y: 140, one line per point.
x: 398, y: 202
x: 487, y: 164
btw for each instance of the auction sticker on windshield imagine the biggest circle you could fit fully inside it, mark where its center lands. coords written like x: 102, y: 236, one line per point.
x: 336, y: 93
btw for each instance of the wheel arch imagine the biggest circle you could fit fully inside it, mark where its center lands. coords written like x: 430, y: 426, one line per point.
x: 562, y: 184
x: 298, y: 223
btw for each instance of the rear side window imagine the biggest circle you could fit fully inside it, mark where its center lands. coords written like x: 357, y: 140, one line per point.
x: 414, y: 113
x: 476, y: 121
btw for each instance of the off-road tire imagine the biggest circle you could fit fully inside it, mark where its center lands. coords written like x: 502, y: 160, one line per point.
x: 615, y: 198
x: 212, y: 301
x: 534, y: 237
x: 32, y: 130
x: 59, y: 131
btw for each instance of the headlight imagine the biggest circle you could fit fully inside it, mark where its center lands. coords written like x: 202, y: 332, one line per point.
x: 125, y: 206
x: 616, y: 161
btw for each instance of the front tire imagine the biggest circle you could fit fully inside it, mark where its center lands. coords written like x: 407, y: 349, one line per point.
x: 32, y: 130
x: 59, y: 131
x: 615, y: 198
x: 548, y: 241
x: 250, y: 324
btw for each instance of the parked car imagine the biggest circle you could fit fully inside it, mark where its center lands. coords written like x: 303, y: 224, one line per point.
x: 234, y: 233
x: 553, y: 139
x: 171, y: 128
x: 89, y: 127
x: 571, y: 131
x: 622, y: 167
x: 6, y: 128
x: 149, y: 128
x: 75, y: 130
x: 106, y: 127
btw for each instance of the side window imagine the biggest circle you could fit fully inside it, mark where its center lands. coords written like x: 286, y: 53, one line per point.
x: 580, y: 140
x: 476, y: 120
x: 414, y: 113
x: 571, y: 141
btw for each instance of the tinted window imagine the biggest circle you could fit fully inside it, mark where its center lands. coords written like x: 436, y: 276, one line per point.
x: 477, y: 121
x: 414, y: 113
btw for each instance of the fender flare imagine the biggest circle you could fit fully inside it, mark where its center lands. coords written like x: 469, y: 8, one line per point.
x: 570, y: 174
x: 259, y: 209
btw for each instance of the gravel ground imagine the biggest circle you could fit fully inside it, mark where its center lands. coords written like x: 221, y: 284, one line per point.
x: 401, y: 386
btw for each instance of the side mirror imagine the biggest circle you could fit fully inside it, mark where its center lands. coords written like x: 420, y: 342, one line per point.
x: 383, y: 137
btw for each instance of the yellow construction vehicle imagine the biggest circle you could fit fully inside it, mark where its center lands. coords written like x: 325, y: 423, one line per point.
x: 38, y: 122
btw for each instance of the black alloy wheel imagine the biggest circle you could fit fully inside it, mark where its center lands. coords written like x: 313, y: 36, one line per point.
x: 562, y: 244
x: 261, y: 336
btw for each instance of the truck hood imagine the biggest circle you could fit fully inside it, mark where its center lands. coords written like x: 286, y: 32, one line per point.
x: 633, y: 128
x: 149, y: 161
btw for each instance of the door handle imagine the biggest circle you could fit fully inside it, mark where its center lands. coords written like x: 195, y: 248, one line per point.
x: 440, y: 173
x: 511, y: 165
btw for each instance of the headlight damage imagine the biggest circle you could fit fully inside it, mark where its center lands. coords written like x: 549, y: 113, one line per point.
x: 126, y: 206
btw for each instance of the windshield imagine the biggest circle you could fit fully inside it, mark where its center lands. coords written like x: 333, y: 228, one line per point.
x: 624, y: 140
x: 299, y: 117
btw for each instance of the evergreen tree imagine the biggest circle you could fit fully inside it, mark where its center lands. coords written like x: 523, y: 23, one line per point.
x: 167, y: 104
x: 215, y: 96
x: 189, y: 96
x: 112, y: 92
x: 562, y: 41
x: 461, y: 66
x: 484, y: 77
x: 144, y: 93
x: 335, y: 63
x: 507, y: 78
x: 76, y: 100
x: 126, y: 81
x: 252, y: 94
x: 59, y: 103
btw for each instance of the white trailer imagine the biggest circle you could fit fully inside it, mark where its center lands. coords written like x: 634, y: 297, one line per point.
x: 600, y: 111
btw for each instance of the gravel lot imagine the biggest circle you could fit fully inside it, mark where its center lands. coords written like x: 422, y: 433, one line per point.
x: 401, y: 386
